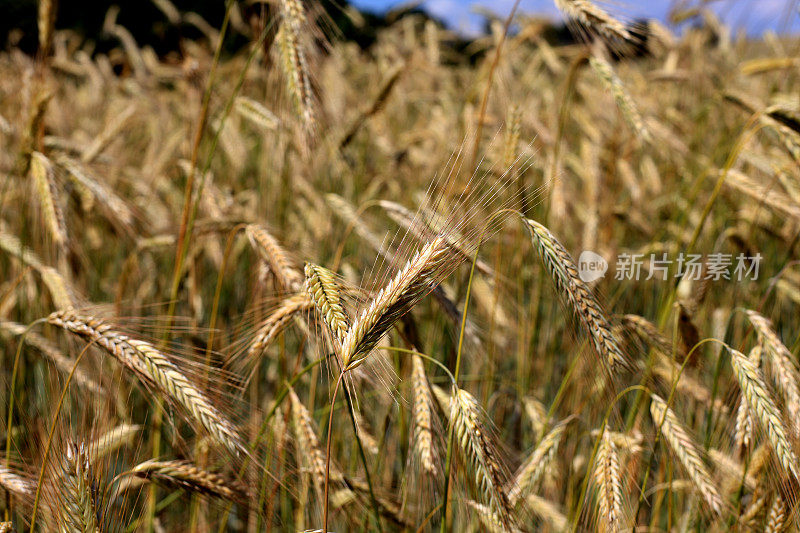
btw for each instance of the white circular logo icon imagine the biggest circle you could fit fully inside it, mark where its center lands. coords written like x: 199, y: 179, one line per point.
x: 591, y: 266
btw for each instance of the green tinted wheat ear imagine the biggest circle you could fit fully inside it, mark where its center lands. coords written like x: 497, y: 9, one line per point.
x: 609, y: 483
x: 532, y: 470
x: 399, y: 296
x: 321, y: 286
x: 686, y: 451
x: 78, y: 510
x: 155, y: 370
x: 274, y: 255
x: 422, y: 434
x: 479, y: 452
x: 763, y: 408
x: 44, y: 179
x: 781, y: 362
x: 185, y: 475
x: 565, y: 277
x: 295, y: 61
x: 626, y: 105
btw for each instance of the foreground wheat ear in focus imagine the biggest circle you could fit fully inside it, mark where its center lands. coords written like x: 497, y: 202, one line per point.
x: 304, y: 285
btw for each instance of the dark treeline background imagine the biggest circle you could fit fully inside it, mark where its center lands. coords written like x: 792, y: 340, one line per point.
x: 150, y: 27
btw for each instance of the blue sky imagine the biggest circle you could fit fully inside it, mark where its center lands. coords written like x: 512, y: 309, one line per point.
x: 754, y: 15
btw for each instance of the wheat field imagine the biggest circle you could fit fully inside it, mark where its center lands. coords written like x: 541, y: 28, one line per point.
x: 514, y: 284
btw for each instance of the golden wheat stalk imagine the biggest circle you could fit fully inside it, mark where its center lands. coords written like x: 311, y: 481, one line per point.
x: 755, y: 391
x: 113, y: 127
x: 368, y: 441
x: 44, y: 179
x: 781, y: 362
x: 731, y: 469
x: 532, y: 470
x: 565, y: 276
x: 777, y: 516
x: 186, y: 475
x: 155, y: 369
x: 648, y: 333
x: 744, y: 425
x: 762, y: 193
x: 609, y: 483
x: 16, y: 484
x: 46, y: 21
x: 471, y: 434
x: 324, y: 291
x: 758, y: 502
x: 112, y: 440
x: 61, y: 292
x: 78, y: 509
x: 595, y: 19
x: 490, y: 520
x: 388, y: 83
x: 256, y: 113
x: 113, y: 206
x: 422, y: 434
x: 294, y: 60
x: 309, y: 450
x: 276, y: 322
x: 630, y: 112
x: 394, y: 300
x: 50, y: 351
x: 547, y: 511
x: 274, y: 255
x: 687, y: 453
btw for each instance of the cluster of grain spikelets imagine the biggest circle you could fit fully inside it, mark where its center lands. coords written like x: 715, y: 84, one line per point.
x: 607, y: 476
x: 479, y: 452
x: 588, y: 18
x: 763, y: 409
x: 424, y: 438
x: 564, y: 274
x: 532, y: 471
x: 187, y: 476
x: 292, y: 39
x: 687, y: 452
